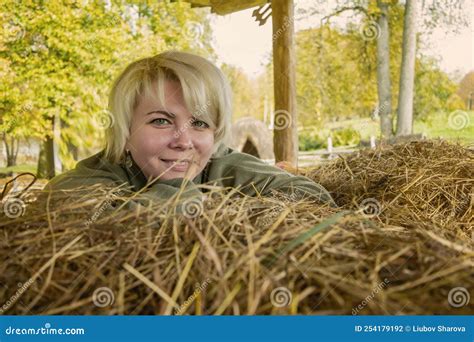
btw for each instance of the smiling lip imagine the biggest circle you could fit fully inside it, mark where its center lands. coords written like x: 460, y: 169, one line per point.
x: 176, y: 164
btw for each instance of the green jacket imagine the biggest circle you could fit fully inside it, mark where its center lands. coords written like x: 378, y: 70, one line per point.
x: 234, y: 169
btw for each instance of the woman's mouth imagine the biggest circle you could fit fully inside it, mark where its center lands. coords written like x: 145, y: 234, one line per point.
x: 176, y: 164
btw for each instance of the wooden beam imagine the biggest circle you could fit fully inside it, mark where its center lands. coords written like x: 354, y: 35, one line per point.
x: 223, y: 7
x: 197, y: 2
x: 285, y: 134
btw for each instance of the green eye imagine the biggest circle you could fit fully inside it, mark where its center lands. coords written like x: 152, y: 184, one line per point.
x: 160, y: 121
x: 200, y: 124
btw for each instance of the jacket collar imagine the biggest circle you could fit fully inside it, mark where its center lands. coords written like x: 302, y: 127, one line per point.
x: 138, y: 180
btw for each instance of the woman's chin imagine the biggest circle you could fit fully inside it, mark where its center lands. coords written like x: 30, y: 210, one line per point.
x: 173, y: 175
x: 169, y: 175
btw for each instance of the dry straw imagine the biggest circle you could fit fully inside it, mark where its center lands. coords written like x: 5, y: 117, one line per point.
x: 401, y: 241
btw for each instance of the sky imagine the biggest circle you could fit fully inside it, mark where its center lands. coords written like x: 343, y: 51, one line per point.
x: 239, y: 40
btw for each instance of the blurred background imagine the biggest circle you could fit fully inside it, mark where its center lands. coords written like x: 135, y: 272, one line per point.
x: 59, y: 58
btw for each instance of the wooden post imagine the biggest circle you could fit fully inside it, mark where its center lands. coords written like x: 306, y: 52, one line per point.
x: 372, y: 141
x: 285, y: 134
x: 329, y: 145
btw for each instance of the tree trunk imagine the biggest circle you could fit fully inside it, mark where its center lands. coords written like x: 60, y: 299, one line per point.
x: 46, y: 159
x: 285, y: 134
x: 73, y: 149
x: 384, y: 84
x: 15, y: 150
x: 407, y: 73
x: 11, y: 149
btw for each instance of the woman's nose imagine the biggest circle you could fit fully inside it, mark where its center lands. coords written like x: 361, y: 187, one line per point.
x: 182, y: 139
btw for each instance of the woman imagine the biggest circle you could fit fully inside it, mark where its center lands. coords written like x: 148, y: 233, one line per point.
x: 171, y: 121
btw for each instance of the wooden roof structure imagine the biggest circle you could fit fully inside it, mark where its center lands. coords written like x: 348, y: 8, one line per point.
x: 223, y: 7
x: 285, y: 135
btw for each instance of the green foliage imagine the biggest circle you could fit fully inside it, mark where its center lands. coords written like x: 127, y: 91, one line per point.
x: 331, y: 80
x: 313, y: 139
x: 247, y: 97
x: 434, y: 91
x: 310, y: 140
x: 345, y: 136
x: 336, y: 70
x: 466, y: 89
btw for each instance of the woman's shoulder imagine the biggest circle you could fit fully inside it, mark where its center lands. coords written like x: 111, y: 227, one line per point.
x: 233, y: 158
x: 95, y: 169
x: 242, y: 165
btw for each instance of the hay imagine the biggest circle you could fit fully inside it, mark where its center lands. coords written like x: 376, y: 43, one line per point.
x: 246, y: 255
x: 427, y: 181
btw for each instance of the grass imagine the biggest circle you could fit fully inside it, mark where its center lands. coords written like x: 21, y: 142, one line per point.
x: 456, y: 126
x: 19, y: 168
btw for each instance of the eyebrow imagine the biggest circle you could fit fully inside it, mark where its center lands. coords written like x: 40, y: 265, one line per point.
x: 164, y: 112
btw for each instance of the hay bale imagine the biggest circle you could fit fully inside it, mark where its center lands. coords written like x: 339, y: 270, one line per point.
x: 429, y: 181
x: 244, y: 255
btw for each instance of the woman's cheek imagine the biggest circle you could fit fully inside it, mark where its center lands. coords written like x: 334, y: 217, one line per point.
x: 154, y: 144
x: 206, y: 144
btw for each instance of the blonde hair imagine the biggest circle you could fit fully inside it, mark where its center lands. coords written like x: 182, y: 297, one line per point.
x: 206, y: 92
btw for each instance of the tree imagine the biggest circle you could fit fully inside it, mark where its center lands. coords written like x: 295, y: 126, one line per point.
x: 432, y: 14
x: 247, y: 97
x: 407, y: 74
x: 466, y: 90
x: 334, y: 79
x: 384, y: 84
x: 435, y: 91
x: 374, y: 16
x: 383, y: 20
x: 11, y: 148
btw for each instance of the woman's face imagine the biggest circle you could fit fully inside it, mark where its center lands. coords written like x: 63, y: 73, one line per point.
x: 166, y: 140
